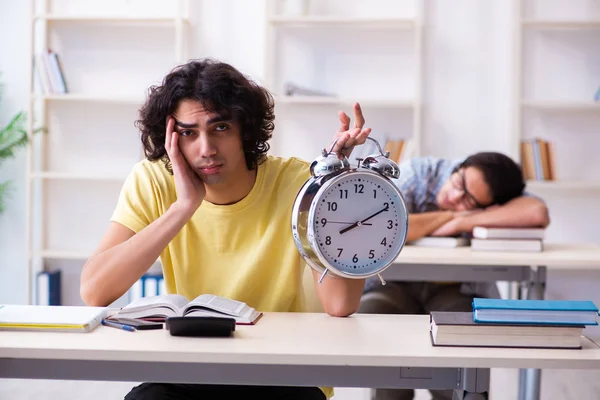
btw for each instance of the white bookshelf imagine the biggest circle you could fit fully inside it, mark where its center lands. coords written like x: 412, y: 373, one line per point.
x: 562, y: 105
x: 316, y: 100
x: 563, y: 185
x: 357, y: 22
x: 110, y: 19
x: 75, y: 169
x: 555, y: 57
x: 49, y: 175
x: 384, y: 52
x: 557, y: 24
x: 98, y: 98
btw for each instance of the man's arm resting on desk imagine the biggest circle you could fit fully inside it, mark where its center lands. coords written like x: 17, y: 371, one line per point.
x: 124, y: 256
x: 340, y: 297
x: 423, y: 224
x: 524, y: 211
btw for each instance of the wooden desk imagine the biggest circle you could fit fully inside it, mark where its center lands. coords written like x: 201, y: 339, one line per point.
x: 464, y: 265
x: 282, y: 349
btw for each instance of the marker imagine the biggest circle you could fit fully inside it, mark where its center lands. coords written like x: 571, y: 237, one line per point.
x: 117, y: 325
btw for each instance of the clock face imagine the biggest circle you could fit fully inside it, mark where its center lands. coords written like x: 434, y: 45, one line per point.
x: 360, y: 223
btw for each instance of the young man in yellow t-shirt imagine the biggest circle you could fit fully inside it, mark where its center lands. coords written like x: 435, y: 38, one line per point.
x: 216, y: 209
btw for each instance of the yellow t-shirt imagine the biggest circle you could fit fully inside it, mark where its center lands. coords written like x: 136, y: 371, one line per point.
x: 243, y: 251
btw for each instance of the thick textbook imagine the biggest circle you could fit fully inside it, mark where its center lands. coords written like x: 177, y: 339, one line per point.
x: 440, y: 241
x: 481, y: 232
x: 458, y: 329
x: 50, y: 318
x: 567, y: 312
x: 160, y: 307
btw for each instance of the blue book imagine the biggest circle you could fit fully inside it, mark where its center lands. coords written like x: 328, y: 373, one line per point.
x: 48, y: 286
x: 551, y: 312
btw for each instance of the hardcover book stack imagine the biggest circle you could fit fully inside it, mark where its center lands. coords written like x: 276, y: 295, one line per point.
x: 508, y: 239
x: 556, y: 324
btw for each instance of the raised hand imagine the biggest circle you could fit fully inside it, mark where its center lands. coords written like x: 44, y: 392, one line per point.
x: 349, y: 137
x: 190, y: 188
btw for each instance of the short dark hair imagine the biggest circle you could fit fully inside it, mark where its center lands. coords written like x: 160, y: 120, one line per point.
x: 220, y: 88
x: 501, y: 173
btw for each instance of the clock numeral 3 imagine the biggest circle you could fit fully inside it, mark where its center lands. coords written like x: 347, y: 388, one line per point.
x: 390, y: 224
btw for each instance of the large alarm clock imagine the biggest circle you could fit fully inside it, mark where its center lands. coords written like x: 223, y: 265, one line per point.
x: 350, y: 221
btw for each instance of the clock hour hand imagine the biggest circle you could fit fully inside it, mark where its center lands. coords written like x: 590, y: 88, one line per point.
x: 359, y: 223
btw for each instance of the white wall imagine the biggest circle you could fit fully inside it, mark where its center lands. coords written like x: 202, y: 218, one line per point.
x: 14, y: 55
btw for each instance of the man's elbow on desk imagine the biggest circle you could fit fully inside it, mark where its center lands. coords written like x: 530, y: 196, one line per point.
x: 93, y: 296
x: 339, y: 297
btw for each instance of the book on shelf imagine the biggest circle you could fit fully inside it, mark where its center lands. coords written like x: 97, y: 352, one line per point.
x: 449, y: 328
x: 508, y: 245
x: 400, y: 149
x: 293, y: 89
x: 538, y: 160
x: 482, y: 232
x: 441, y: 241
x: 150, y: 284
x: 158, y: 308
x: 50, y: 318
x: 50, y: 72
x: 47, y: 285
x: 551, y: 312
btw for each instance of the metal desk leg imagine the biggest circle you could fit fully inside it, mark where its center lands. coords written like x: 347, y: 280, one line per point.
x: 474, y: 384
x: 530, y: 379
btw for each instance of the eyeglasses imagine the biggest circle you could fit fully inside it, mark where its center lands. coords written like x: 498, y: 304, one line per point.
x: 459, y: 183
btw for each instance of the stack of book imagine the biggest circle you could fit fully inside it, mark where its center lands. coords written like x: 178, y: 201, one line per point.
x: 507, y: 239
x: 514, y: 323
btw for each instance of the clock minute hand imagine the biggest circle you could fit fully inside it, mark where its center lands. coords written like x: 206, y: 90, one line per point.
x: 354, y: 225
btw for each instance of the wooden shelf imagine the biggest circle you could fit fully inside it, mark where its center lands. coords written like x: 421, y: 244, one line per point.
x: 563, y: 185
x: 386, y: 23
x: 64, y: 254
x: 561, y: 106
x: 316, y: 100
x: 108, y: 18
x: 99, y: 98
x: 549, y: 24
x: 79, y: 176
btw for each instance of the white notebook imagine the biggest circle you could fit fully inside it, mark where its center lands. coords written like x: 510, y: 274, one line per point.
x: 50, y: 318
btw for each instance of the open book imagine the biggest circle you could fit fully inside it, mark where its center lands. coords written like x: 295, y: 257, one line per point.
x: 158, y: 308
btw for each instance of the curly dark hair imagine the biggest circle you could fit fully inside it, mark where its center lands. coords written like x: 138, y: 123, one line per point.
x: 501, y: 173
x: 221, y: 89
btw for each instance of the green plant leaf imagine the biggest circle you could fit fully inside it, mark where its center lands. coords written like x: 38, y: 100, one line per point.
x: 4, y: 188
x: 13, y: 135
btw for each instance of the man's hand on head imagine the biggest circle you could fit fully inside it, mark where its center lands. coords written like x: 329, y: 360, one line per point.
x: 190, y: 188
x: 347, y: 137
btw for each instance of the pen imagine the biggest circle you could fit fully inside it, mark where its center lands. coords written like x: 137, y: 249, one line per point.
x: 113, y: 324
